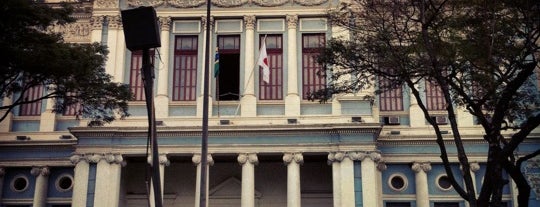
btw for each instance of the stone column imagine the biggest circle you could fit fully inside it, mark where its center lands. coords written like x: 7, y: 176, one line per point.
x: 347, y: 177
x: 163, y: 162
x: 97, y: 27
x: 292, y: 100
x: 293, y: 162
x: 371, y: 192
x: 196, y: 159
x: 162, y: 98
x: 211, y: 70
x: 116, y: 162
x: 421, y: 181
x: 334, y: 159
x: 248, y: 161
x: 80, y: 180
x: 42, y: 184
x: 108, y: 172
x: 248, y: 99
x: 2, y: 173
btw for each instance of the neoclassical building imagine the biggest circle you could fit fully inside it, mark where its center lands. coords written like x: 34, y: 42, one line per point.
x: 268, y: 145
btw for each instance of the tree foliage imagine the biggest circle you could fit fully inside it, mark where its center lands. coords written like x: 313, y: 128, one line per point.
x: 482, y: 54
x: 71, y: 74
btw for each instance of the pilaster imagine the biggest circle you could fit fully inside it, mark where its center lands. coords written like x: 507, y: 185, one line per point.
x: 248, y: 161
x: 422, y: 190
x: 96, y: 23
x: 40, y: 192
x: 114, y: 23
x: 162, y: 98
x: 203, y: 76
x: 196, y: 159
x: 48, y: 117
x: 248, y: 99
x: 120, y: 55
x: 415, y: 111
x: 292, y: 100
x: 80, y: 184
x: 293, y: 162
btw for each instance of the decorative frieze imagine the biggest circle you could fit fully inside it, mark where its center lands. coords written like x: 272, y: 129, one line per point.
x: 248, y: 158
x: 218, y: 3
x: 78, y: 32
x: 106, y: 4
x: 270, y: 3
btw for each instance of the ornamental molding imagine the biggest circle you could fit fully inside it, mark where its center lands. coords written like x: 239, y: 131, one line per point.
x: 78, y: 32
x: 97, y: 22
x: 106, y: 4
x: 243, y: 131
x: 218, y: 3
x: 115, y: 22
x: 270, y: 3
x: 375, y: 156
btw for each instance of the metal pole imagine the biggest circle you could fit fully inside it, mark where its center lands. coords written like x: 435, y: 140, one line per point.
x: 204, y: 141
x: 148, y: 91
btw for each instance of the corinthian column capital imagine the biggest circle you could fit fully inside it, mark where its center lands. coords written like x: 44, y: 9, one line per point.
x: 292, y: 21
x: 249, y: 22
x: 165, y: 23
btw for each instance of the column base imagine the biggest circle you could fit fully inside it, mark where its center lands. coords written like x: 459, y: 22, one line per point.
x: 162, y: 106
x: 415, y: 120
x: 47, y: 121
x: 248, y: 107
x: 292, y: 105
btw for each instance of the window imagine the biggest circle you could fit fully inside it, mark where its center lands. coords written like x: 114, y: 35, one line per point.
x: 390, y: 99
x: 228, y: 80
x: 135, y: 77
x: 443, y: 182
x: 32, y: 109
x: 446, y: 204
x: 398, y: 204
x: 434, y: 97
x: 312, y: 72
x: 273, y: 90
x: 185, y: 68
x: 73, y: 110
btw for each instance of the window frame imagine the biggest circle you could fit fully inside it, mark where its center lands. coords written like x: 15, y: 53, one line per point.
x: 311, y: 80
x: 180, y: 88
x: 274, y: 89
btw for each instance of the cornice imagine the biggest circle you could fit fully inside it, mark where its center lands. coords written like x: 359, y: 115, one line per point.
x: 217, y: 131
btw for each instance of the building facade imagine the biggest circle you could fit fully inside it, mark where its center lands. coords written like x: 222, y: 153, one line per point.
x: 268, y: 145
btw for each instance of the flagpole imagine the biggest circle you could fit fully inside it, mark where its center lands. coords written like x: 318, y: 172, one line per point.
x: 255, y: 67
x: 204, y: 140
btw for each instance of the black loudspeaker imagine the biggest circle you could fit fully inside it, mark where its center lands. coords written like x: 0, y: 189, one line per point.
x: 141, y: 29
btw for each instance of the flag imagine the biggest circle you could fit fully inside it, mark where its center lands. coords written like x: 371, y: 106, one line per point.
x: 216, y: 64
x: 263, y: 62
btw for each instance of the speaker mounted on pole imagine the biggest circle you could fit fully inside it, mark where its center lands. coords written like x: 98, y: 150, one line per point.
x: 141, y: 29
